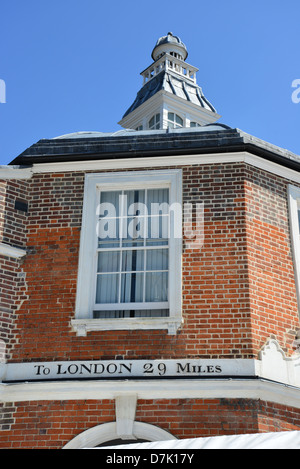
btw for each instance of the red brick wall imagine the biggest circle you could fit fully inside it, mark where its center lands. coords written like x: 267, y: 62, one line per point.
x: 12, y: 221
x: 216, y: 296
x: 53, y: 424
x: 238, y: 289
x: 13, y: 293
x: 215, y: 290
x: 13, y: 225
x: 270, y: 262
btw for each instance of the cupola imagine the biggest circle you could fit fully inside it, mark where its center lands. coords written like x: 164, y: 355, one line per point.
x: 170, y: 96
x: 171, y: 45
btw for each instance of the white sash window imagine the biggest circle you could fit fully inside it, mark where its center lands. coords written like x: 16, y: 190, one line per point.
x: 133, y: 254
x: 130, y: 252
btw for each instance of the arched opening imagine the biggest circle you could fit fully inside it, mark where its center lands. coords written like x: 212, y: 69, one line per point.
x: 174, y: 121
x: 106, y: 435
x: 119, y: 441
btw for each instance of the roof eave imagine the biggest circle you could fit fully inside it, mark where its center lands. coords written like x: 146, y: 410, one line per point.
x: 249, y: 147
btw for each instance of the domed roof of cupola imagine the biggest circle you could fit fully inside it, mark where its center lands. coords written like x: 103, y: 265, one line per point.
x: 167, y: 44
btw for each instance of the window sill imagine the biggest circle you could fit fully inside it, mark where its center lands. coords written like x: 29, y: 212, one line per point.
x: 82, y: 326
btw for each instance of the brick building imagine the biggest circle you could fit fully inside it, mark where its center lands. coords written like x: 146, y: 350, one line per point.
x: 150, y: 277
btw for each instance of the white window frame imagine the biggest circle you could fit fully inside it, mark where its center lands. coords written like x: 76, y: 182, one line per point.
x: 84, y: 320
x: 294, y: 206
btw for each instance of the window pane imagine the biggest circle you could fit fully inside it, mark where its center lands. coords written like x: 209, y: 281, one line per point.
x: 111, y: 314
x: 133, y: 260
x: 133, y: 228
x: 107, y: 288
x: 154, y: 122
x: 132, y: 243
x: 108, y: 231
x: 157, y: 201
x: 132, y: 286
x: 110, y: 203
x: 157, y: 242
x: 179, y: 120
x: 156, y: 286
x: 158, y: 227
x: 154, y: 313
x: 134, y: 202
x: 157, y: 259
x: 108, y: 225
x: 109, y: 261
x: 133, y: 223
x: 174, y: 121
x: 108, y: 244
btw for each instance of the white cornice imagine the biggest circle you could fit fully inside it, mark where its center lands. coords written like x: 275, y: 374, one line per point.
x: 131, y: 163
x: 163, y: 161
x: 10, y: 251
x: 153, y: 389
x: 14, y: 172
x: 152, y: 162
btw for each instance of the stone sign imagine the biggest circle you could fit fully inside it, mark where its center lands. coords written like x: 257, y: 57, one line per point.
x: 125, y: 369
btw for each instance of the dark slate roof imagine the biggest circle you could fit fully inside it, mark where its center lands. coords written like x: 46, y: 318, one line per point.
x: 212, y: 138
x: 173, y: 84
x: 148, y: 90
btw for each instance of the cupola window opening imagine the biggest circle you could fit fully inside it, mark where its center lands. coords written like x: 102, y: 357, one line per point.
x: 177, y: 56
x: 154, y: 122
x: 194, y: 124
x: 174, y: 121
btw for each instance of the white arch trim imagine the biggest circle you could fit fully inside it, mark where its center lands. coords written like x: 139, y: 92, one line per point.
x: 108, y: 431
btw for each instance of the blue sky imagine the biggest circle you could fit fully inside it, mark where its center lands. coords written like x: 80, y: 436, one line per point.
x: 74, y: 65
